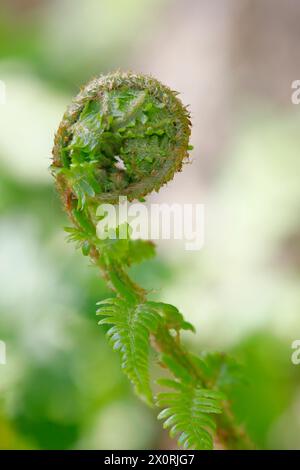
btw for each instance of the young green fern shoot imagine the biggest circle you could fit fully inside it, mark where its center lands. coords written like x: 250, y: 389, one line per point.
x: 135, y: 120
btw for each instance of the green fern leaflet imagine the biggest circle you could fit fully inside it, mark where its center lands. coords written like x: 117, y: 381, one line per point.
x: 188, y: 412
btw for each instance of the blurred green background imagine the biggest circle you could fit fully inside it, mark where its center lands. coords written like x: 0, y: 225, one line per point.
x: 234, y: 62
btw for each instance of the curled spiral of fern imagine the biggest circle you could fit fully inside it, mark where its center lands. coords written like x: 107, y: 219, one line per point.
x: 127, y: 134
x: 123, y: 134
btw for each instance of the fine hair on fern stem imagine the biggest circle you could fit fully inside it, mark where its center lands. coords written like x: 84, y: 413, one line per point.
x: 135, y: 120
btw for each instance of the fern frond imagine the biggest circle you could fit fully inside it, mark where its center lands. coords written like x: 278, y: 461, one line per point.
x: 173, y: 318
x: 220, y: 369
x: 131, y: 325
x: 127, y: 251
x: 136, y: 119
x: 175, y: 367
x: 188, y: 413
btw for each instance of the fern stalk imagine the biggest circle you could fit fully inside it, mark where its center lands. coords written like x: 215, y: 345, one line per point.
x: 136, y: 118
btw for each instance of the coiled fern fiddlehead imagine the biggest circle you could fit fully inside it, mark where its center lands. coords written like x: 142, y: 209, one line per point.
x: 142, y: 122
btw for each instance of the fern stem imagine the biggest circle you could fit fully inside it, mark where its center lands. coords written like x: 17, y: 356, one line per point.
x: 229, y: 434
x: 136, y: 118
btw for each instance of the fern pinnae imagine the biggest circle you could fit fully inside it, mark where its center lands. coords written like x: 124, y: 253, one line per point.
x: 188, y: 413
x: 129, y: 333
x: 137, y: 119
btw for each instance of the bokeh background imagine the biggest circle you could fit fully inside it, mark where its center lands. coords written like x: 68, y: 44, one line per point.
x: 233, y: 61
